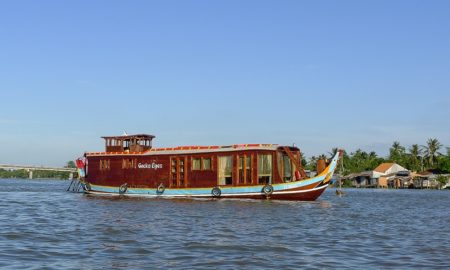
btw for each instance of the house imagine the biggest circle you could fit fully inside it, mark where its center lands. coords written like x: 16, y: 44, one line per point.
x: 383, y: 176
x: 392, y: 175
x: 362, y: 179
x: 428, y: 179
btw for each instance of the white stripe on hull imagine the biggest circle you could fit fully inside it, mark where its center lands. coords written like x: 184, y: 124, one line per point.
x: 280, y: 192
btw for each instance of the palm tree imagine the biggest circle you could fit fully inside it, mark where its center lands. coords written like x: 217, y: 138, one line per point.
x: 397, y: 152
x: 373, y: 160
x: 304, y: 162
x: 312, y: 163
x: 397, y: 147
x: 431, y: 151
x: 414, y: 157
x: 345, y: 163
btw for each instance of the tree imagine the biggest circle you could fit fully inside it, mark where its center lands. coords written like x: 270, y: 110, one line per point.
x: 414, y: 158
x: 70, y: 164
x: 431, y: 151
x: 443, y: 180
x: 312, y: 163
x: 373, y: 160
x: 443, y: 164
x: 397, y: 153
x: 304, y: 162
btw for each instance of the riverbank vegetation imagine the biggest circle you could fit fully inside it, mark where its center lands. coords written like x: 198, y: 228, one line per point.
x: 36, y: 174
x: 43, y: 174
x: 417, y: 158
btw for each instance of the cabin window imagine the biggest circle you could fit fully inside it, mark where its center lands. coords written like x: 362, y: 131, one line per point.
x: 178, y: 172
x: 201, y: 164
x: 248, y: 169
x: 196, y: 164
x: 206, y: 164
x: 129, y: 163
x: 245, y: 169
x: 173, y: 171
x: 225, y: 170
x: 264, y: 169
x: 287, y: 169
x: 104, y: 164
x: 181, y: 170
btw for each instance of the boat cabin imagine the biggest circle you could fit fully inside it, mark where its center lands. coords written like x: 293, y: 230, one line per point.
x: 128, y: 143
x: 131, y: 159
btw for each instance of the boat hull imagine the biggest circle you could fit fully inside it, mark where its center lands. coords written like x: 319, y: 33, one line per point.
x: 293, y: 195
x: 302, y: 190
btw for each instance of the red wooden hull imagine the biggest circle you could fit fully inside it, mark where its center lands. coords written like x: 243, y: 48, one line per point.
x: 237, y: 171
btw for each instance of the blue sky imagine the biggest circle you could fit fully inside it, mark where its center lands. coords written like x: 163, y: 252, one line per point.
x: 354, y: 74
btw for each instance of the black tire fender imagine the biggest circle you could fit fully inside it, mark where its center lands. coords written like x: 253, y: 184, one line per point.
x: 267, y: 190
x: 87, y: 186
x: 160, y: 189
x: 123, y: 188
x: 216, y: 192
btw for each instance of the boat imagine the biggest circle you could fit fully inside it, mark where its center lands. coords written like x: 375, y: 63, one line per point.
x: 131, y: 166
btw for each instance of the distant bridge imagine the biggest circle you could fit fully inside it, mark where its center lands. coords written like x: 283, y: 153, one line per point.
x: 30, y: 169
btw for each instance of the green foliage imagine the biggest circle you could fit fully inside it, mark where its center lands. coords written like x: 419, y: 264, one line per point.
x: 416, y: 159
x: 71, y: 164
x: 360, y: 161
x: 13, y: 174
x: 413, y: 159
x: 304, y: 162
x: 312, y: 163
x: 431, y: 152
x: 347, y: 183
x: 442, y: 180
x: 444, y: 164
x: 397, y: 154
x: 36, y: 174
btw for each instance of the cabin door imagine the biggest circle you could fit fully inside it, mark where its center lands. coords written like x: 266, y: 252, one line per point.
x: 225, y: 166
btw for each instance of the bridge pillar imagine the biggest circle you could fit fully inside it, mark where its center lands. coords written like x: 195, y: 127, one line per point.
x: 71, y: 176
x: 30, y: 174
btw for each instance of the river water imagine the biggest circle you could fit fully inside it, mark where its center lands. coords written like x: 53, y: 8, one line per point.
x: 44, y: 227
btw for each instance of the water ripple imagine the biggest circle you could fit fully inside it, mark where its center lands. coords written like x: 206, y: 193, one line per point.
x: 44, y: 227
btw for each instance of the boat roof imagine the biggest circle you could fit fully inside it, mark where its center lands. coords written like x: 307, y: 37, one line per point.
x: 135, y: 136
x: 195, y: 150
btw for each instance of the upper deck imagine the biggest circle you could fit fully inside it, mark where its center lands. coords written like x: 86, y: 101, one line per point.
x: 141, y: 144
x: 128, y: 143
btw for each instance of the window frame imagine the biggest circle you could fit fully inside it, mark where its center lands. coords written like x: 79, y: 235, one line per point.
x: 259, y: 175
x: 201, y: 164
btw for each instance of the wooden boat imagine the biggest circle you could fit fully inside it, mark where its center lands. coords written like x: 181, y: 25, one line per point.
x: 130, y: 166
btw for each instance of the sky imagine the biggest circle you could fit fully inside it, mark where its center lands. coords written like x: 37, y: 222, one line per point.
x: 320, y: 74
